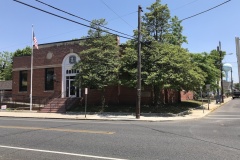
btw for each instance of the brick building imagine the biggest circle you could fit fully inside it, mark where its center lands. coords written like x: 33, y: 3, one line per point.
x: 53, y: 76
x: 52, y: 70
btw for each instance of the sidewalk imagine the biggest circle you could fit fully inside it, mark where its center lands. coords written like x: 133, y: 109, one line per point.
x: 191, y: 114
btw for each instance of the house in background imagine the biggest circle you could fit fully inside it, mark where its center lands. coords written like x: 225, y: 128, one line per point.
x: 5, y: 90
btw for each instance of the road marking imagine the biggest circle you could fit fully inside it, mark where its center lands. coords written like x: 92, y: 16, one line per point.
x: 222, y: 118
x: 63, y: 153
x: 223, y: 115
x: 57, y: 129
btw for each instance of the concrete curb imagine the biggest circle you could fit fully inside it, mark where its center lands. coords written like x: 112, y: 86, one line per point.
x: 148, y: 117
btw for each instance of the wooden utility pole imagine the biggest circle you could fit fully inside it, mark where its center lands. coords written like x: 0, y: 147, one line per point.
x: 221, y: 69
x: 139, y: 65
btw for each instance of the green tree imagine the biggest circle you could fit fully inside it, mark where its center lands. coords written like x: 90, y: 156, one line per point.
x: 175, y: 37
x: 23, y: 52
x: 162, y: 38
x: 99, y: 63
x: 128, y: 65
x: 155, y: 22
x: 159, y: 26
x: 217, y: 59
x: 6, y: 60
x: 206, y: 62
x: 236, y: 86
x: 6, y: 65
x: 163, y: 66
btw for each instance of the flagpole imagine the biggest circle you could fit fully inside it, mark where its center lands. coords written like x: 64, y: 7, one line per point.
x: 31, y: 72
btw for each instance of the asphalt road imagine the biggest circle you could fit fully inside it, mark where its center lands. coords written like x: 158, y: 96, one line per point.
x: 216, y: 136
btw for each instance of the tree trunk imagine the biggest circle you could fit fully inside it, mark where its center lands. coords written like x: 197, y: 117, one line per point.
x: 157, y: 95
x: 179, y: 96
x: 166, y: 96
x: 103, y: 99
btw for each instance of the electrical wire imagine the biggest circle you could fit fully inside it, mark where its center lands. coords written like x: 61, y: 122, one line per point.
x: 205, y: 11
x: 116, y: 13
x: 122, y: 16
x: 68, y: 19
x: 81, y: 18
x: 184, y: 5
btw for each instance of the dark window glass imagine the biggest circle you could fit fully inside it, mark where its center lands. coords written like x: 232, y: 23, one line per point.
x: 49, y: 79
x: 23, y: 81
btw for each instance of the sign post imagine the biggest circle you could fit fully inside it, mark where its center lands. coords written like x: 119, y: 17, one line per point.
x: 208, y: 89
x: 86, y: 93
x: 202, y: 98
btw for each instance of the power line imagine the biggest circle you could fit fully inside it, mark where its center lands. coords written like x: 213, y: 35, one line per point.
x: 80, y: 17
x: 205, y: 11
x: 122, y: 16
x: 68, y: 19
x: 185, y: 5
x: 116, y: 13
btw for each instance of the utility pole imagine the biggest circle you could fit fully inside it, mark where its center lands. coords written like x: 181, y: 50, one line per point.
x: 238, y: 57
x: 220, y: 52
x: 231, y: 82
x: 139, y: 65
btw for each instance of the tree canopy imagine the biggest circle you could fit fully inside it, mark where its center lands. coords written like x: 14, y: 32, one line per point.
x: 23, y: 52
x: 99, y: 64
x: 6, y: 65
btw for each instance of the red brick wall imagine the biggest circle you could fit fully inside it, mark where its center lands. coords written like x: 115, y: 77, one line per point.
x: 127, y: 96
x: 40, y: 63
x: 186, y: 95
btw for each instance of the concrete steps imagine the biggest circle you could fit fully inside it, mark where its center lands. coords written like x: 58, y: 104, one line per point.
x: 59, y: 105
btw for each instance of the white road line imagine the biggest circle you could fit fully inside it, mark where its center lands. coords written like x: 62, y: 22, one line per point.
x: 223, y: 115
x: 63, y: 153
x: 222, y: 118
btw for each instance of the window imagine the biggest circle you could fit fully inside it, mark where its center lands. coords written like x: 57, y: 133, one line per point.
x: 23, y: 81
x: 49, y: 79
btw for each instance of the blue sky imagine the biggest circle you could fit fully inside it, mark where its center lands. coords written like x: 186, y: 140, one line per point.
x: 203, y: 32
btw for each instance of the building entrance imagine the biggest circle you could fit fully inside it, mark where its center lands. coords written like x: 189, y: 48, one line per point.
x: 71, y: 89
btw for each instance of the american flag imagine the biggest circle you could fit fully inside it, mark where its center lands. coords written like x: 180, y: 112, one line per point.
x: 35, y: 41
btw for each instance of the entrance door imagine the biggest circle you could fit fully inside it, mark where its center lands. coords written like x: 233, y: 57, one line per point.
x: 72, y: 89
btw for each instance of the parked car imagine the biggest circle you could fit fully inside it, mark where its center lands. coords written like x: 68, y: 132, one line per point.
x: 235, y: 94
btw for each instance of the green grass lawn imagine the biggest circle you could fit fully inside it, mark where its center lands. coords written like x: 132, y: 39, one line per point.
x: 164, y: 108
